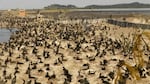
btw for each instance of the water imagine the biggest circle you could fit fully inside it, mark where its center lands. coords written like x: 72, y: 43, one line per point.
x: 115, y: 9
x: 5, y: 34
x: 145, y: 11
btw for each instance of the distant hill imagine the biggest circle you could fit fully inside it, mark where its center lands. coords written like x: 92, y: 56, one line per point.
x: 124, y: 5
x: 58, y: 6
x: 128, y: 5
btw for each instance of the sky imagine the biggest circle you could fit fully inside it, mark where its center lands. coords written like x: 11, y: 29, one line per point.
x: 33, y: 4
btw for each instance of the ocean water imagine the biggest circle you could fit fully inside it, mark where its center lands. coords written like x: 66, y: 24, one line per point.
x: 145, y: 11
x: 116, y: 9
x: 5, y: 34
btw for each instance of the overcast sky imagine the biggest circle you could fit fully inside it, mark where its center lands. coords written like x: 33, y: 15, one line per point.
x: 27, y: 4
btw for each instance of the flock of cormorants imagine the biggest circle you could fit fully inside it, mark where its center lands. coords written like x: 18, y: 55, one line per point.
x: 51, y: 52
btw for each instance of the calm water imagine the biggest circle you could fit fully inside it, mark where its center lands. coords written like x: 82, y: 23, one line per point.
x: 116, y: 9
x: 5, y: 34
x: 144, y: 11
